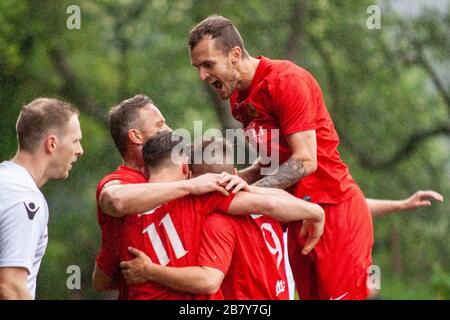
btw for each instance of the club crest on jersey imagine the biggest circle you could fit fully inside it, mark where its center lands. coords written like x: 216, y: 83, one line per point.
x: 251, y: 110
x: 31, y: 209
x: 245, y: 112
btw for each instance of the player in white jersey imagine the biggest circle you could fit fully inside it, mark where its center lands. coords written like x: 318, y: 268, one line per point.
x: 48, y: 134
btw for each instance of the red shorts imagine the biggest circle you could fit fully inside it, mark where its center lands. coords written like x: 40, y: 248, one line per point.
x: 337, y: 267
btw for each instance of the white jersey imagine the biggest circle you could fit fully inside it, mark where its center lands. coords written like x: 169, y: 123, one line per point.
x: 23, y: 221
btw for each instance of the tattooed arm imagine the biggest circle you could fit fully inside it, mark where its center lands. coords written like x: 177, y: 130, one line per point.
x: 302, y: 162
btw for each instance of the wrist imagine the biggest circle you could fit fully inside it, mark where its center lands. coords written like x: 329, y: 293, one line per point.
x: 149, y: 272
x: 320, y: 216
x: 185, y: 187
x: 403, y: 206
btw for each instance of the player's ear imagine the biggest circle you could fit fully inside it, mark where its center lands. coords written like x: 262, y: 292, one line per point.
x: 50, y: 143
x: 236, y: 54
x: 135, y: 136
x: 185, y: 168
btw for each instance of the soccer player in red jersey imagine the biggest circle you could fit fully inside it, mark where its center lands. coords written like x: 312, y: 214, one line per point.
x: 125, y: 192
x: 170, y: 234
x: 241, y: 255
x: 282, y: 109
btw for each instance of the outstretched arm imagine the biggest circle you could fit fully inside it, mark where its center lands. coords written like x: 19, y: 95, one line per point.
x: 417, y: 200
x: 193, y: 279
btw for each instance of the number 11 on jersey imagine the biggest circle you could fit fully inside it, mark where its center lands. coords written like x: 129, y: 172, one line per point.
x: 157, y: 243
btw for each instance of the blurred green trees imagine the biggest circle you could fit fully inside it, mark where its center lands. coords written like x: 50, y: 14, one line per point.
x: 387, y: 89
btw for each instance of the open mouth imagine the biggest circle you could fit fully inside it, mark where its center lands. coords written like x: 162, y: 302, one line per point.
x: 217, y: 85
x: 71, y: 164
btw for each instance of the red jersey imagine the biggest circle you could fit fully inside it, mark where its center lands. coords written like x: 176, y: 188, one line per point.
x: 170, y: 236
x: 249, y: 251
x: 108, y: 258
x: 285, y: 96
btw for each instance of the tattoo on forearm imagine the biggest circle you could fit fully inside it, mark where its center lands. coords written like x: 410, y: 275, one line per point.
x: 289, y: 173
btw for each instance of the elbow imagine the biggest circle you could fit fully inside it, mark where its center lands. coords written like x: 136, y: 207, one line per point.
x: 210, y: 286
x: 11, y: 291
x: 99, y: 283
x: 95, y: 283
x: 307, y: 165
x: 208, y: 282
x: 98, y: 287
x: 6, y: 292
x: 111, y: 204
x: 310, y: 166
x: 313, y: 167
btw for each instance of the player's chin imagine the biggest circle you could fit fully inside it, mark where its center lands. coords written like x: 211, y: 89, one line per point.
x: 66, y: 173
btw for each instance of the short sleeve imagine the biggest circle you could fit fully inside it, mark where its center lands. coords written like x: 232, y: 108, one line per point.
x: 218, y: 243
x: 108, y: 257
x: 22, y: 226
x: 295, y: 107
x: 214, y: 201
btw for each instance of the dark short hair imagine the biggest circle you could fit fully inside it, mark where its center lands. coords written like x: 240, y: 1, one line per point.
x: 123, y: 117
x: 219, y: 28
x: 39, y: 118
x: 221, y: 150
x: 157, y: 150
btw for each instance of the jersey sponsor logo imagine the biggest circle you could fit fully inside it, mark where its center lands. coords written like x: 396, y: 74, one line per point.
x: 31, y: 209
x: 280, y: 287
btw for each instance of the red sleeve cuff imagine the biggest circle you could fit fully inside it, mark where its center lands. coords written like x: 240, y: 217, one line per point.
x: 213, y: 265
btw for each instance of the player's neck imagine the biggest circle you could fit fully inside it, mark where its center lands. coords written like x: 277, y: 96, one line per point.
x: 133, y: 164
x: 166, y: 175
x: 34, y: 164
x: 134, y: 160
x: 247, y: 69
